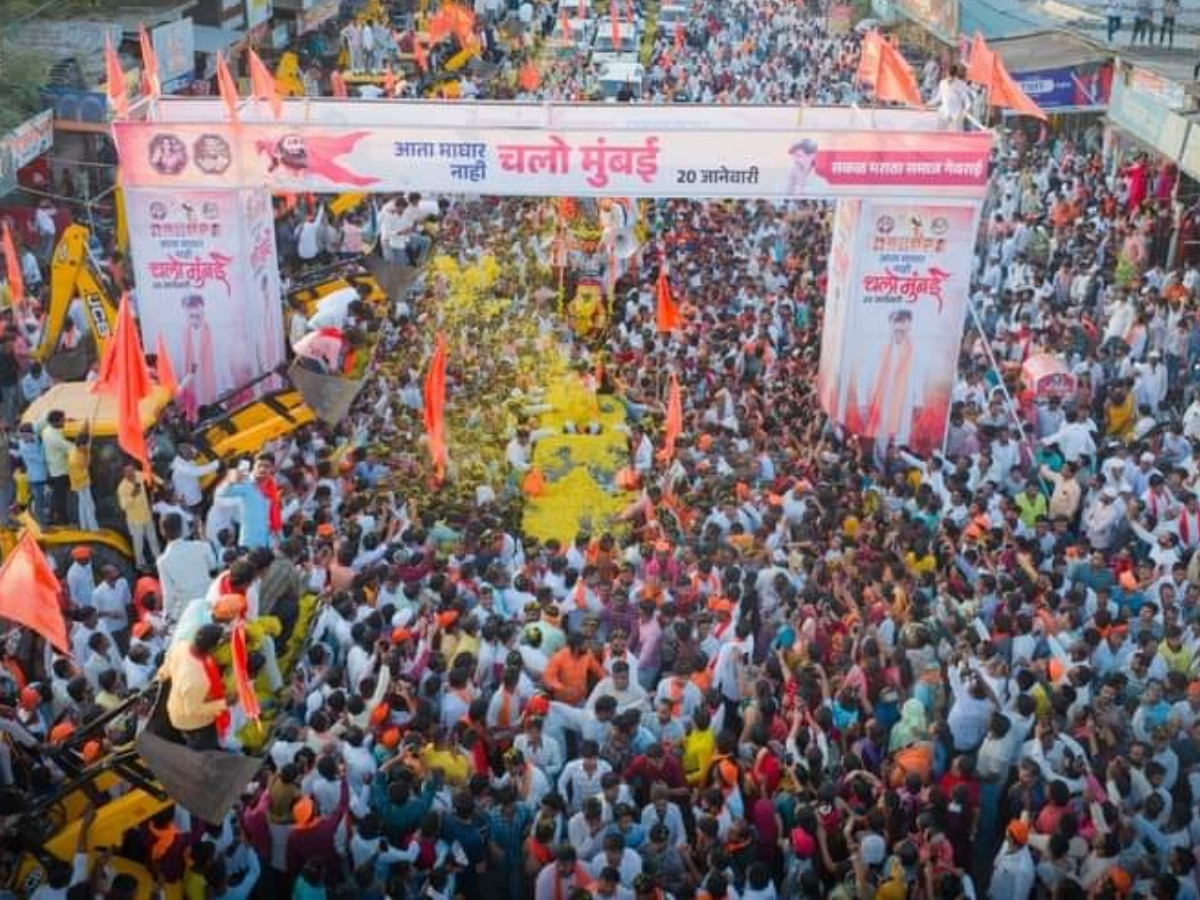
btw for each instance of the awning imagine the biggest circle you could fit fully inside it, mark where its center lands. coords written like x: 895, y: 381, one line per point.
x: 1002, y: 19
x: 1057, y: 50
x: 214, y: 40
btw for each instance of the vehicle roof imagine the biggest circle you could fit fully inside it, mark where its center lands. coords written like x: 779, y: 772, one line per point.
x: 80, y: 405
x: 604, y: 28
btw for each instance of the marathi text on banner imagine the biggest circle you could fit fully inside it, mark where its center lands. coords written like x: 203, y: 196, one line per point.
x: 806, y: 162
x: 199, y: 271
x: 888, y: 365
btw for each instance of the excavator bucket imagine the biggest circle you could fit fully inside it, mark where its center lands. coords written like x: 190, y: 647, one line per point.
x: 395, y: 280
x: 71, y: 365
x: 329, y: 396
x: 204, y: 782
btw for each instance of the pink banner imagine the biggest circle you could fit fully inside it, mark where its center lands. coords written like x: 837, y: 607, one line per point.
x: 206, y: 270
x: 632, y: 162
x: 897, y: 308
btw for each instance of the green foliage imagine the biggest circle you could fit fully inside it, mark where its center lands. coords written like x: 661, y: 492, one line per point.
x: 22, y: 74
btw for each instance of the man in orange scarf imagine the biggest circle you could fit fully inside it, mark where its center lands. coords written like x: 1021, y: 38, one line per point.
x: 896, y: 392
x: 197, y: 705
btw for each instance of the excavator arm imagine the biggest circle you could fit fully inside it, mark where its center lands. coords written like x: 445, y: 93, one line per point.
x: 74, y: 274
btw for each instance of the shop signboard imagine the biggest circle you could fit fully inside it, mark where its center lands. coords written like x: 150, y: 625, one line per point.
x: 175, y: 47
x: 1080, y: 87
x: 1146, y: 117
x: 22, y: 145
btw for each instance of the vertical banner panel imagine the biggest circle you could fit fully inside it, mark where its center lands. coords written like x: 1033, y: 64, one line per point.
x: 207, y: 281
x: 901, y: 323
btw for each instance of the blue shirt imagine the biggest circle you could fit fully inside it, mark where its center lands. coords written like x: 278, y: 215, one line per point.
x: 256, y: 513
x: 33, y: 455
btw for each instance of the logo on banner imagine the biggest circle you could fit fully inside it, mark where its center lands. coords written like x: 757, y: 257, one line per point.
x: 907, y: 276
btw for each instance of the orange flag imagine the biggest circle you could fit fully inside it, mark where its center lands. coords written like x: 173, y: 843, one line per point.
x: 435, y: 409
x: 114, y: 78
x: 564, y: 23
x: 868, y: 59
x: 895, y: 80
x: 981, y: 62
x: 164, y: 371
x: 12, y: 268
x: 123, y: 373
x: 247, y: 697
x: 1008, y: 94
x: 422, y: 59
x: 666, y: 311
x: 338, y: 84
x: 151, y: 86
x: 29, y: 593
x: 528, y: 79
x: 674, y: 424
x: 680, y: 36
x: 389, y: 82
x: 262, y: 85
x: 629, y: 13
x: 615, y: 22
x: 228, y: 89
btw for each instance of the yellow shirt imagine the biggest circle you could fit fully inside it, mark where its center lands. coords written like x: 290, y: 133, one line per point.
x: 132, y: 498
x: 78, y: 471
x: 21, y: 486
x: 698, y: 750
x: 456, y: 766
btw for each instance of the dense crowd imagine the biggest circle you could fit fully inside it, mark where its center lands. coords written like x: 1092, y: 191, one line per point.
x: 796, y: 665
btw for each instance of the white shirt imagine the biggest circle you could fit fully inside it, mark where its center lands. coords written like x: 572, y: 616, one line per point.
x: 333, y: 309
x: 112, y: 602
x: 575, y: 784
x: 81, y: 582
x: 185, y: 479
x: 185, y: 572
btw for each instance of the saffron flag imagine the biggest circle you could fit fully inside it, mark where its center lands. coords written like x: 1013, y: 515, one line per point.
x: 629, y: 13
x: 12, y: 268
x: 666, y: 311
x: 674, y: 423
x: 262, y: 85
x: 225, y: 84
x: 565, y: 24
x: 680, y: 36
x: 338, y: 84
x: 422, y: 59
x: 247, y: 698
x: 123, y: 373
x: 29, y: 593
x: 615, y: 24
x: 980, y: 62
x: 894, y: 79
x: 151, y: 86
x: 528, y: 79
x: 164, y: 371
x: 389, y: 82
x: 435, y: 409
x: 114, y: 78
x: 987, y: 69
x: 868, y: 58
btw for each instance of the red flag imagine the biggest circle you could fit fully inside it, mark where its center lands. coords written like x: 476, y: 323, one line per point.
x: 123, y: 373
x: 338, y: 84
x: 228, y: 89
x: 114, y: 78
x: 246, y: 695
x: 666, y: 312
x: 29, y: 593
x: 435, y: 406
x: 894, y: 79
x: 12, y: 268
x: 674, y: 424
x: 151, y: 86
x: 164, y: 371
x: 262, y: 85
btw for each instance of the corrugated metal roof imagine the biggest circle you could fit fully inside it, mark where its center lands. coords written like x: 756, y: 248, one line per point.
x: 1002, y: 19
